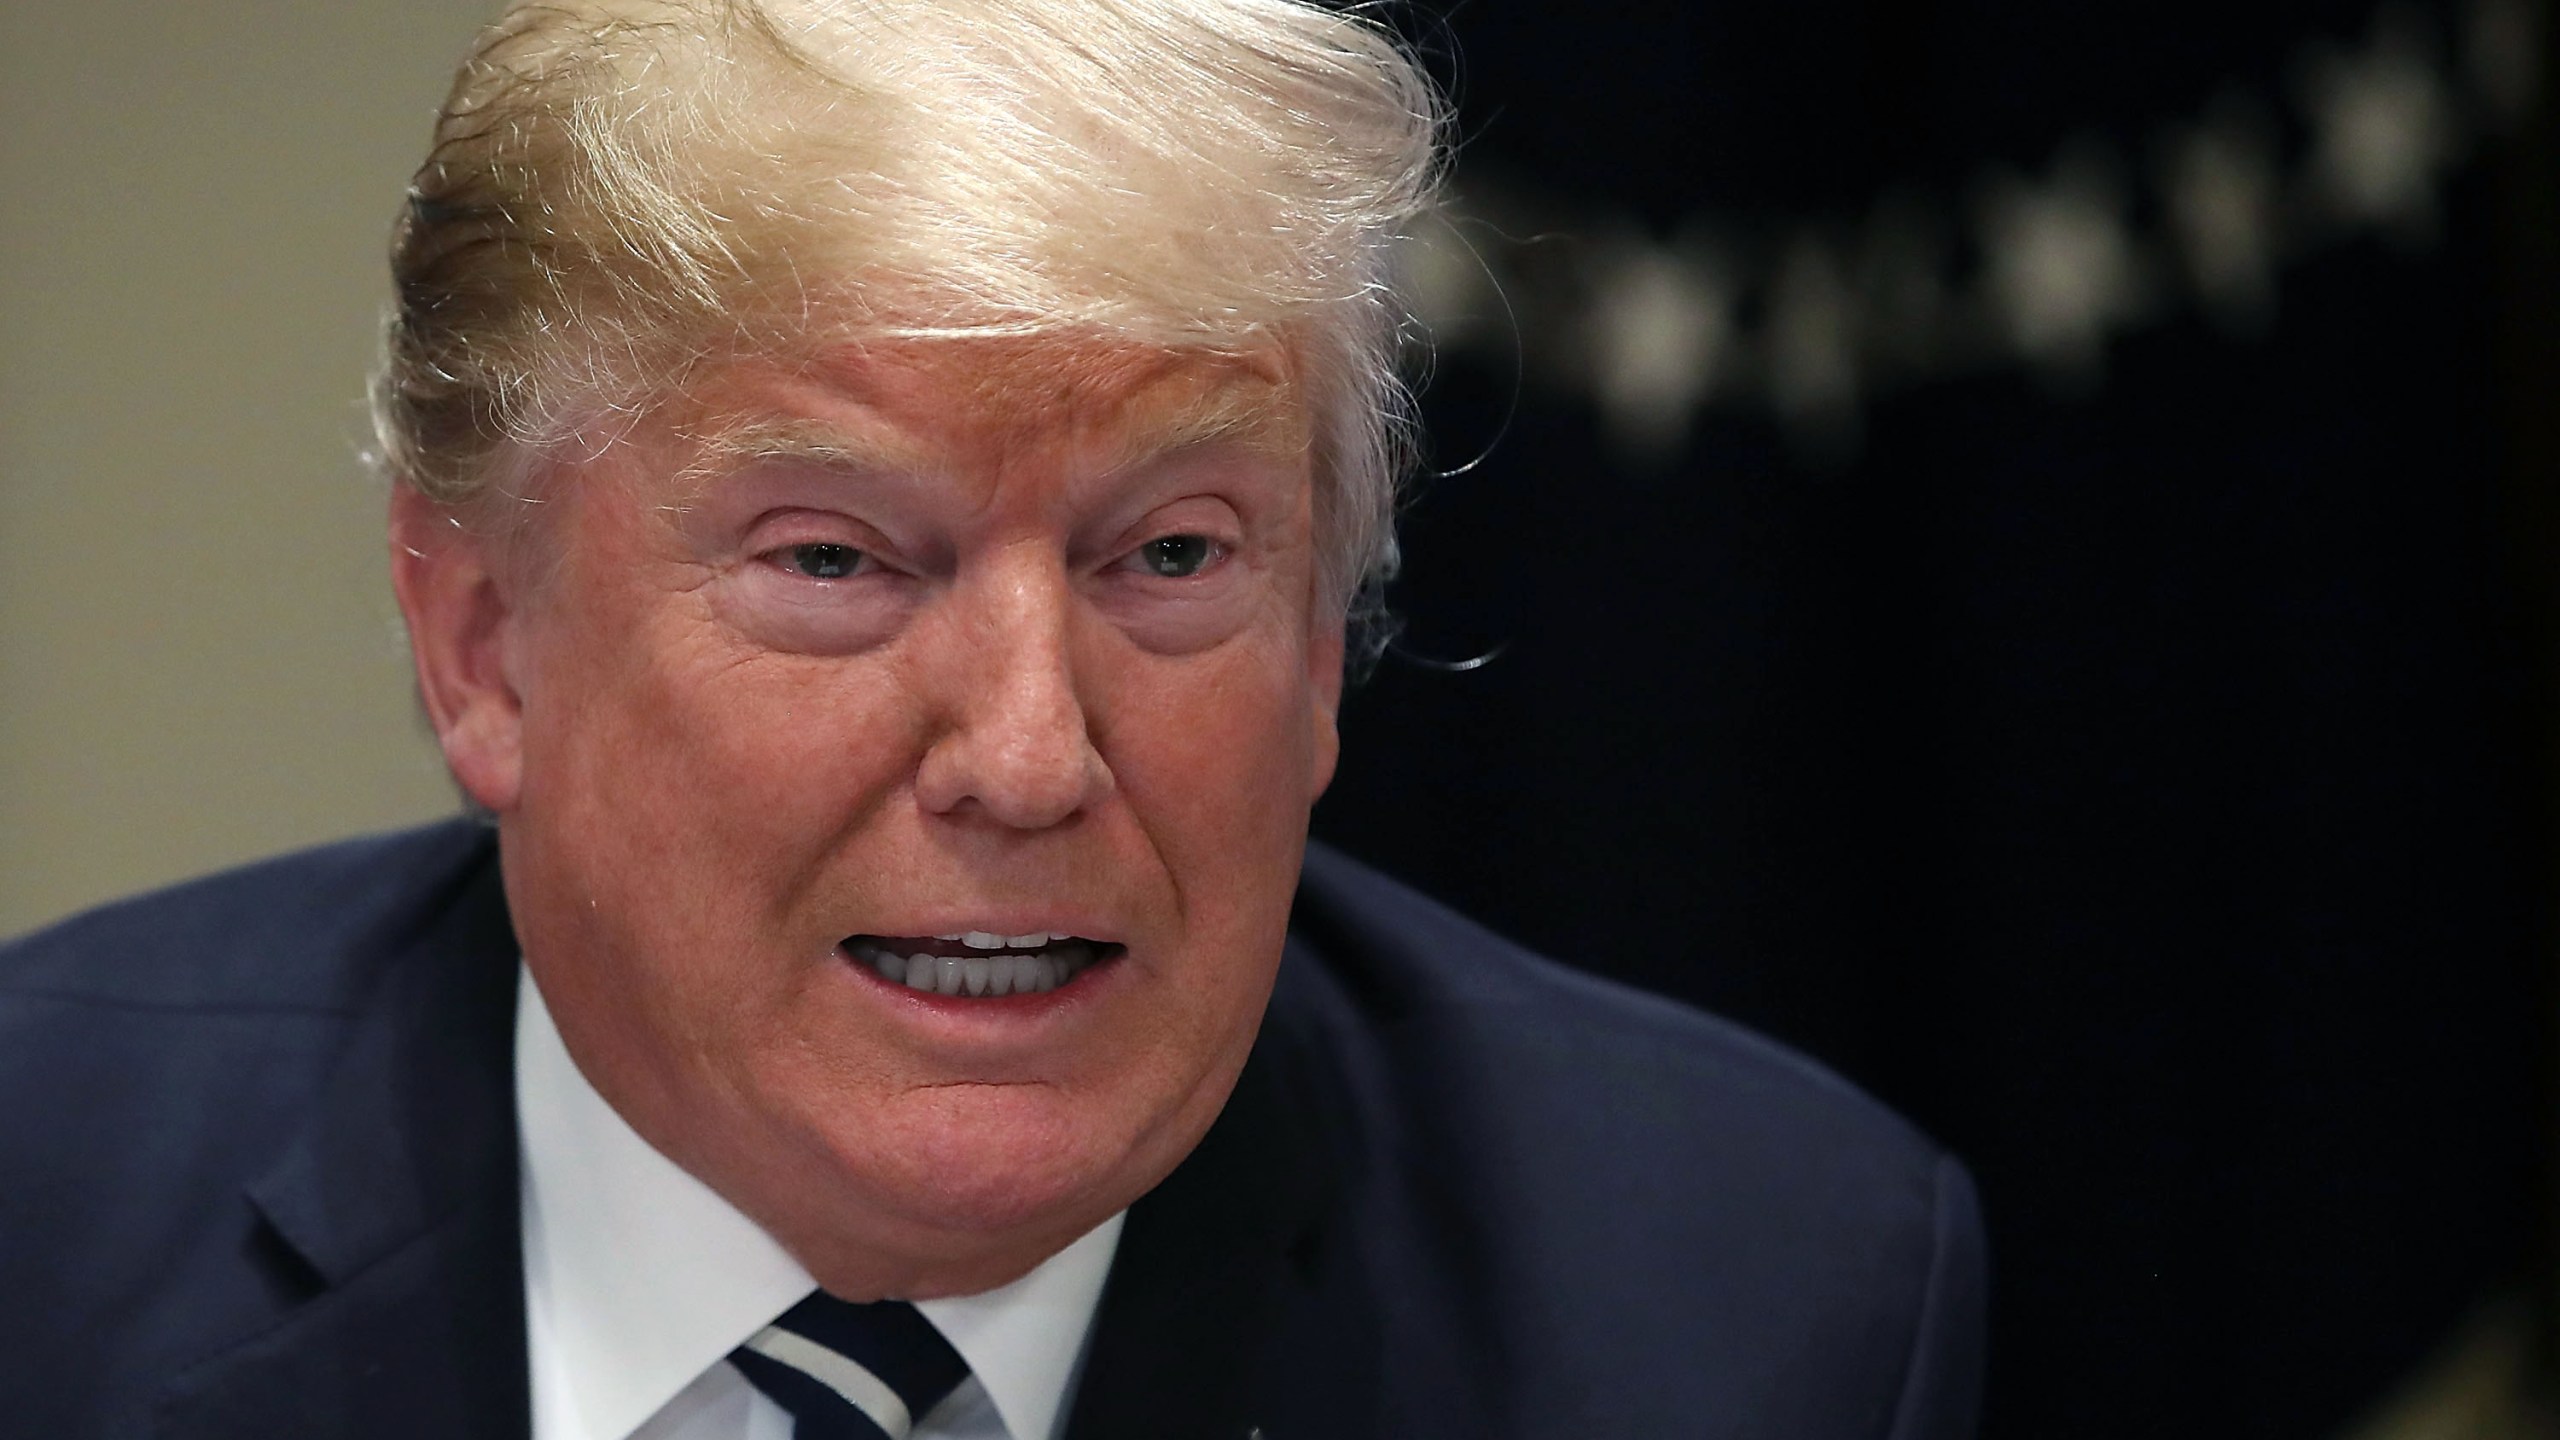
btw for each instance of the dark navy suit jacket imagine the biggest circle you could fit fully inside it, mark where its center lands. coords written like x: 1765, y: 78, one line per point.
x: 258, y: 1180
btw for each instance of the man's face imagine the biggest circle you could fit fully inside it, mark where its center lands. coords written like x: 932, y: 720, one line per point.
x: 977, y: 640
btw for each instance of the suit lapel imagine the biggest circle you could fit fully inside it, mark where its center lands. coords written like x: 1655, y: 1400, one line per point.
x: 1209, y: 1285
x: 397, y: 1205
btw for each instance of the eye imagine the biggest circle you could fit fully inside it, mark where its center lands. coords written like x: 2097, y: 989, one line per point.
x: 1177, y: 557
x: 824, y: 561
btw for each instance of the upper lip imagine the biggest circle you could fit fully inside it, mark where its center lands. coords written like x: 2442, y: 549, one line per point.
x: 1003, y: 929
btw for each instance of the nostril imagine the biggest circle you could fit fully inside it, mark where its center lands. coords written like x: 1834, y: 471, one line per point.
x: 1024, y: 771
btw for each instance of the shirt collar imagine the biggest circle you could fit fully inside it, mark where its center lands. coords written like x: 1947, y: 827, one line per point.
x: 639, y: 1277
x: 1023, y: 1341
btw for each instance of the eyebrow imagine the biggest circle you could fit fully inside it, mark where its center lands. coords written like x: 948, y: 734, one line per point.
x: 1235, y: 413
x: 723, y: 446
x: 741, y: 441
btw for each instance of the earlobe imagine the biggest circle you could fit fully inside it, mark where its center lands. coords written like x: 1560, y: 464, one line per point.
x: 461, y: 619
x: 1324, y: 677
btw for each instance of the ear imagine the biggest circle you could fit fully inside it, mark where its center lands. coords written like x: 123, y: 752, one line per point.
x: 461, y: 618
x: 1324, y: 684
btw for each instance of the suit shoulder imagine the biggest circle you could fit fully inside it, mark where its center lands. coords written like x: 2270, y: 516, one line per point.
x: 1609, y: 1188
x: 178, y: 1049
x: 285, y: 933
x: 1409, y: 964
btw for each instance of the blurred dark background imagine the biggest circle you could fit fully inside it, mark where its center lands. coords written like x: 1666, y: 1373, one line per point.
x: 2010, y: 547
x: 2014, y: 543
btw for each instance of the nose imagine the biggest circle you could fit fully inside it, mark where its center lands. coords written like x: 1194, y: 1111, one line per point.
x: 1015, y: 745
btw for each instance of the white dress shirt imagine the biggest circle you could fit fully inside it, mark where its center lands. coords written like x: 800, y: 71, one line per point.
x: 639, y: 1281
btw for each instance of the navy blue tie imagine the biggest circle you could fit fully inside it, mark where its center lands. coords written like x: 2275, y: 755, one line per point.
x: 851, y: 1372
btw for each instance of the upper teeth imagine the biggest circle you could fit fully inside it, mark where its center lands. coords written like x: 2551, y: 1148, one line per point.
x: 999, y: 964
x: 988, y: 940
x: 981, y: 974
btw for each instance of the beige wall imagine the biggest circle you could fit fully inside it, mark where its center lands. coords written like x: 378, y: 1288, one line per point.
x: 198, y: 656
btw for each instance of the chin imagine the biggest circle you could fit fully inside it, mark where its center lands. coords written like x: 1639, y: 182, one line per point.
x: 1002, y: 1161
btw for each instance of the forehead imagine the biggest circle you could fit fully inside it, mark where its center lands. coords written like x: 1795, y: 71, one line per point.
x: 936, y: 404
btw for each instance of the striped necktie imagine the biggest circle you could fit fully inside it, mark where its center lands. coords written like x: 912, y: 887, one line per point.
x: 851, y: 1372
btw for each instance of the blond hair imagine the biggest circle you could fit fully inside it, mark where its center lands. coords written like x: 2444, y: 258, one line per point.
x: 620, y: 190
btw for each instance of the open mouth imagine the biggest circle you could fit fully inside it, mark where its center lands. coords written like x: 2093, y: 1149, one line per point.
x: 977, y: 963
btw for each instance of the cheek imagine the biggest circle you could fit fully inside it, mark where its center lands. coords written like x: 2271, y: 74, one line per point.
x: 676, y: 753
x: 680, y: 707
x: 1218, y: 765
x: 679, y: 822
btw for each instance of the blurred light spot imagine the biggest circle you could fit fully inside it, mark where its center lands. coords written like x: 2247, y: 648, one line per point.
x: 2219, y: 178
x: 2061, y: 264
x: 2382, y: 127
x: 1661, y: 322
x: 1812, y: 348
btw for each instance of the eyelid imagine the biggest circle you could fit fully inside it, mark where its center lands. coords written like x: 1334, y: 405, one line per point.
x: 1193, y: 513
x: 778, y: 531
